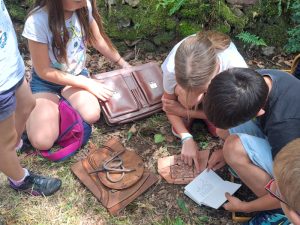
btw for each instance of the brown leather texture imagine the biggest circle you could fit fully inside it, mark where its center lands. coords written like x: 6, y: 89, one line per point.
x: 175, y: 171
x: 114, y: 196
x: 137, y: 93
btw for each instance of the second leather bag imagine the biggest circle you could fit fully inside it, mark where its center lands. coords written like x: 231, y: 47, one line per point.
x: 137, y: 93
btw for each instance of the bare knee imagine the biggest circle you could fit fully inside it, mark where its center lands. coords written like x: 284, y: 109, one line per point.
x: 233, y: 150
x: 41, y: 141
x: 91, y: 116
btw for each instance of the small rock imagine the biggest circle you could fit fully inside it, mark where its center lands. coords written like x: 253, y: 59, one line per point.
x: 124, y: 23
x: 149, y: 56
x: 132, y: 3
x: 237, y: 12
x: 242, y: 2
x: 268, y: 51
x: 111, y: 2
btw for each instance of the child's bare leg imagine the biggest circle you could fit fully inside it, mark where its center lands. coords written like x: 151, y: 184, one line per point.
x: 9, y: 162
x: 236, y: 157
x: 43, y: 123
x: 25, y: 105
x: 84, y: 102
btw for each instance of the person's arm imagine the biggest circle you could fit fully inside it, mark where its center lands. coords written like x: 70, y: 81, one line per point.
x: 265, y: 202
x: 42, y: 66
x: 175, y: 120
x: 197, y: 114
x: 189, y: 151
x: 101, y: 45
x: 172, y: 107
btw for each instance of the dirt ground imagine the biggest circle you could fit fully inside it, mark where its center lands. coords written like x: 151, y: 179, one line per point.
x: 161, y: 204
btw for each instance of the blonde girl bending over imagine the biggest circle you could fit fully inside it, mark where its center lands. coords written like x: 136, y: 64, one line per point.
x: 188, y: 70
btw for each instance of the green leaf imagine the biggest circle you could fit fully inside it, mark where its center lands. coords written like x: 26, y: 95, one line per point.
x: 251, y: 39
x: 129, y: 135
x: 178, y: 221
x: 176, y: 7
x: 203, y: 144
x: 182, y: 206
x: 202, y: 220
x: 158, y: 138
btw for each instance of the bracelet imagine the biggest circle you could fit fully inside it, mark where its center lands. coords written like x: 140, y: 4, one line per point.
x: 185, y: 137
x: 118, y: 60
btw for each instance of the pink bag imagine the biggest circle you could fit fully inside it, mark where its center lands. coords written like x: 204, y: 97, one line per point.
x: 73, y: 133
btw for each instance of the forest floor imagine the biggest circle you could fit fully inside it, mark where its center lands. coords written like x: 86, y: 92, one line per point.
x: 162, y: 204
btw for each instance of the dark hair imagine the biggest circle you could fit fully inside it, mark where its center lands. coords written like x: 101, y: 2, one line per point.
x: 234, y: 97
x: 57, y: 23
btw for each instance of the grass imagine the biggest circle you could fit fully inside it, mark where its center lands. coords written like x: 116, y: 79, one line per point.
x: 163, y: 204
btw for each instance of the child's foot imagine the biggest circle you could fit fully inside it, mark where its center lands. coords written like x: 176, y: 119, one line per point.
x: 175, y: 133
x: 211, y: 128
x: 187, y: 123
x: 37, y: 185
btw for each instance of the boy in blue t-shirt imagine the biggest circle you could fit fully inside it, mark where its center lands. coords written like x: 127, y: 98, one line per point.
x: 261, y: 110
x: 16, y: 103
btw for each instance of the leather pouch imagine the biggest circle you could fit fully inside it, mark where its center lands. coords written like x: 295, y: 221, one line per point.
x: 137, y: 93
x: 114, y: 193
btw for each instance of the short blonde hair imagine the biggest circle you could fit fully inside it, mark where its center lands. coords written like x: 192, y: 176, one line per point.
x: 287, y: 173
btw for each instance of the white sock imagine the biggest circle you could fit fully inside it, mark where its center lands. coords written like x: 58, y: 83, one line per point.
x: 19, y: 182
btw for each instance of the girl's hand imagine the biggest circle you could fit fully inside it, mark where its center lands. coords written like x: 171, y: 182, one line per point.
x: 189, y: 153
x: 173, y: 107
x: 98, y: 89
x: 216, y: 160
x: 126, y: 65
x: 123, y: 63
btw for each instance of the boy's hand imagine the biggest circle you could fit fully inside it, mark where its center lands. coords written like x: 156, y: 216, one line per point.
x: 189, y: 153
x: 216, y: 160
x: 234, y: 204
x: 173, y: 107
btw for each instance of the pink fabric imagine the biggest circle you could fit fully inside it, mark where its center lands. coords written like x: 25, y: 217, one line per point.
x: 70, y: 134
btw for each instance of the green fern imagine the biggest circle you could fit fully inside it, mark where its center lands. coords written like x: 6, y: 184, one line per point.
x: 251, y: 39
x: 174, y: 4
x: 293, y: 44
x: 279, y: 7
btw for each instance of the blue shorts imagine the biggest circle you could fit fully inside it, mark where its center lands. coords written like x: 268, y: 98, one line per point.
x: 8, y: 101
x: 38, y: 84
x: 255, y: 144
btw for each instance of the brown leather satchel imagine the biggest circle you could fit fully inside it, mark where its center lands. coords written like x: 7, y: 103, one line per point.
x: 114, y: 175
x: 137, y: 93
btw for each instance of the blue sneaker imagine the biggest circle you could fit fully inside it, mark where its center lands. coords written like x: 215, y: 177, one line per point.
x: 272, y: 217
x: 38, y: 185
